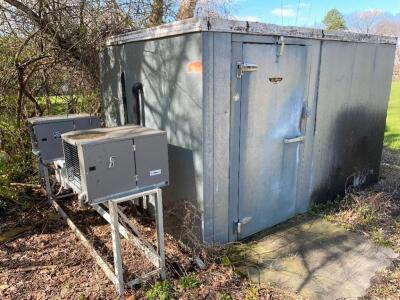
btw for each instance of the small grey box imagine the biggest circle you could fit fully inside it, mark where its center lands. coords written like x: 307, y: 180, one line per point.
x: 108, y: 163
x: 46, y: 133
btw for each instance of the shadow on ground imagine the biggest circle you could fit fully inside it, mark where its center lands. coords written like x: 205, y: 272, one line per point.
x: 318, y: 259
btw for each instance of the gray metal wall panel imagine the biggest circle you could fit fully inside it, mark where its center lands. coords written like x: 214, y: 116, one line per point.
x: 170, y: 71
x: 208, y: 133
x: 236, y: 89
x: 111, y: 61
x: 353, y: 93
x: 221, y: 116
x: 308, y: 126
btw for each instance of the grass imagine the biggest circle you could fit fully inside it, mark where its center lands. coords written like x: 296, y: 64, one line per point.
x: 188, y: 282
x: 60, y: 104
x: 392, y: 131
x: 161, y: 290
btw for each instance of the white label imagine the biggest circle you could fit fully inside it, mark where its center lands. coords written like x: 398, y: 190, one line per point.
x: 155, y: 172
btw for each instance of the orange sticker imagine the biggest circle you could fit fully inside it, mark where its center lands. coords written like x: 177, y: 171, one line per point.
x: 195, y: 67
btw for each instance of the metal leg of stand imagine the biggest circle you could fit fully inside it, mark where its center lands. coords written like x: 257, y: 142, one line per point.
x: 47, y: 181
x: 116, y: 245
x: 160, y: 233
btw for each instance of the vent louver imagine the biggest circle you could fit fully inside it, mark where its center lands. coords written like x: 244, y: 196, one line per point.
x: 72, y: 163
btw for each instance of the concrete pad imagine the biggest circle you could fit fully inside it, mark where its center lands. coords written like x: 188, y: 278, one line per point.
x: 318, y: 259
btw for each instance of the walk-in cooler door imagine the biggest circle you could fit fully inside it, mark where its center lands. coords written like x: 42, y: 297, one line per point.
x: 273, y: 79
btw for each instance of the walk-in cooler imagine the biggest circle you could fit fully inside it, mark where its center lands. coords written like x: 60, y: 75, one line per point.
x: 262, y: 120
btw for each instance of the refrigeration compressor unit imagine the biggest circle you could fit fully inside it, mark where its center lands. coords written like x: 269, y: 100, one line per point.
x: 46, y: 133
x: 111, y: 163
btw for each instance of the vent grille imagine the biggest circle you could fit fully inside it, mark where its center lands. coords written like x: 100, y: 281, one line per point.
x: 72, y: 164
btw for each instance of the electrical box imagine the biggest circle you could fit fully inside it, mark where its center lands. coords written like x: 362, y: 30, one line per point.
x: 109, y: 163
x: 46, y: 133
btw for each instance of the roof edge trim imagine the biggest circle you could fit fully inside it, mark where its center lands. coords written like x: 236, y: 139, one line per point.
x: 244, y: 27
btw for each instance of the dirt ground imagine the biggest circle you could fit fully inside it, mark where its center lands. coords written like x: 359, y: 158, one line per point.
x: 40, y: 257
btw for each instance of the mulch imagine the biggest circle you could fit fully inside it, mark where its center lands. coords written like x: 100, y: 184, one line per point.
x: 45, y: 260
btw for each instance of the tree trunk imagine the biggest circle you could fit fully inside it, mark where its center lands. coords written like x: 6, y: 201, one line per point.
x: 157, y: 13
x: 186, y: 9
x: 20, y: 96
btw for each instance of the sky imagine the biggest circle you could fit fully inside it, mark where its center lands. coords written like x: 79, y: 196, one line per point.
x: 306, y: 12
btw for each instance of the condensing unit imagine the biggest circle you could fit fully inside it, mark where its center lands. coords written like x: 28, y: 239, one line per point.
x: 110, y: 163
x: 46, y: 133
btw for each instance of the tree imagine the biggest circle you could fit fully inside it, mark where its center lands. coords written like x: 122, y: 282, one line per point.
x: 366, y: 21
x: 374, y: 21
x: 334, y: 20
x: 79, y: 27
x: 55, y: 43
x: 186, y: 9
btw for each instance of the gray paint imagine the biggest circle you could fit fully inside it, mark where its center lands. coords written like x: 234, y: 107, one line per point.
x: 270, y: 112
x: 221, y: 118
x: 117, y: 162
x: 173, y: 101
x: 46, y: 133
x: 105, y: 181
x: 151, y: 160
x: 209, y: 24
x: 353, y: 94
x: 201, y: 112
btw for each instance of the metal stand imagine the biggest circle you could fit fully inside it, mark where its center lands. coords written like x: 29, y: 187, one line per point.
x: 129, y: 232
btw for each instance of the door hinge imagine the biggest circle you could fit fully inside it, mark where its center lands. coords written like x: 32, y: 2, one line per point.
x: 137, y: 177
x: 239, y: 224
x: 133, y: 147
x: 305, y: 110
x: 296, y: 139
x: 280, y: 47
x: 245, y: 67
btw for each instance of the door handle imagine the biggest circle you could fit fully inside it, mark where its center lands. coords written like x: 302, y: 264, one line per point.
x: 297, y: 139
x: 245, y: 67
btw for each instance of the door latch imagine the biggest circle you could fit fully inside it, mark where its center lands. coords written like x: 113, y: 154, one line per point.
x: 245, y: 67
x: 239, y: 224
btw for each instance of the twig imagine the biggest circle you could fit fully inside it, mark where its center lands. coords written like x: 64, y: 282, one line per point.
x: 34, y: 268
x: 390, y: 166
x: 20, y: 184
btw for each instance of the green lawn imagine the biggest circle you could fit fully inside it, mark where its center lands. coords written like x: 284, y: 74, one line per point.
x: 392, y: 132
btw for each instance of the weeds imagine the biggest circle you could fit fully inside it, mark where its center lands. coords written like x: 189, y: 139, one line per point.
x: 251, y: 293
x: 378, y: 236
x: 323, y: 208
x: 224, y: 261
x: 224, y: 296
x: 161, y: 290
x: 188, y: 282
x: 368, y: 213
